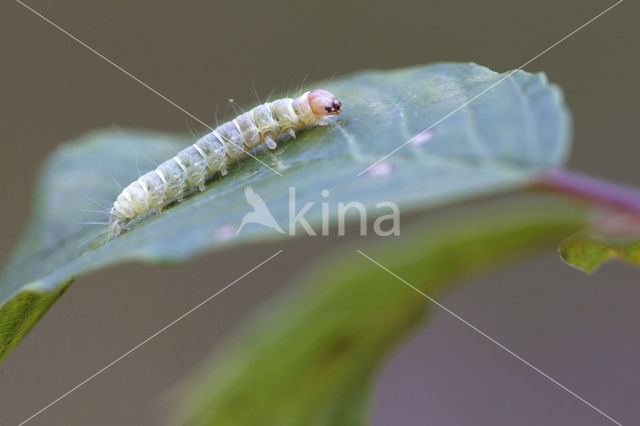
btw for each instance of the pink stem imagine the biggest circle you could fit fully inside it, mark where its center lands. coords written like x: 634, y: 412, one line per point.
x: 600, y: 191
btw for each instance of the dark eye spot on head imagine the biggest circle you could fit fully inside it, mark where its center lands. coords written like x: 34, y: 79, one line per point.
x: 328, y: 108
x: 337, y: 105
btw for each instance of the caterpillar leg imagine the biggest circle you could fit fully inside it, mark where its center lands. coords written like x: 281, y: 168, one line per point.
x: 271, y: 144
x: 116, y: 228
x: 323, y: 121
x: 292, y: 133
x: 115, y: 224
x: 157, y: 210
x: 201, y: 185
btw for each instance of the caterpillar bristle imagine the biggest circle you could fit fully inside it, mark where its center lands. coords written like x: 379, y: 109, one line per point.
x: 95, y: 211
x: 93, y: 237
x: 98, y: 202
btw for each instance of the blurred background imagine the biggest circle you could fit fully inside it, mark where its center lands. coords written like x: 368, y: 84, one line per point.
x: 580, y: 329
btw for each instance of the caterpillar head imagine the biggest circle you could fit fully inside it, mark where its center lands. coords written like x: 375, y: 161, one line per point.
x: 323, y: 102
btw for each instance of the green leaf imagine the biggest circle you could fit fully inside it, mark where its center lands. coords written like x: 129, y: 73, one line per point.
x: 514, y: 130
x: 309, y: 359
x: 586, y: 250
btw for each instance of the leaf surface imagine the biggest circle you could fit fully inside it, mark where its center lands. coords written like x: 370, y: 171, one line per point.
x: 311, y: 357
x: 501, y: 140
x: 587, y: 251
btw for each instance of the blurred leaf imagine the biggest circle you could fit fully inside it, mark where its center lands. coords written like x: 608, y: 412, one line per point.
x: 587, y: 251
x: 309, y: 359
x: 500, y: 141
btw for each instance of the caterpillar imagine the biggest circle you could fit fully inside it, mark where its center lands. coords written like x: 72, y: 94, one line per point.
x: 213, y: 152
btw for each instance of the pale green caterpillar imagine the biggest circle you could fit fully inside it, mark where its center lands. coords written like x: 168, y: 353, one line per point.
x: 211, y: 153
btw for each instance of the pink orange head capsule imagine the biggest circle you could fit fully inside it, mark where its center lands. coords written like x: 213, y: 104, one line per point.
x: 323, y: 102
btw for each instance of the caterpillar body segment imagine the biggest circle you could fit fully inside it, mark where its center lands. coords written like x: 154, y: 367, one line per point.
x: 214, y: 151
